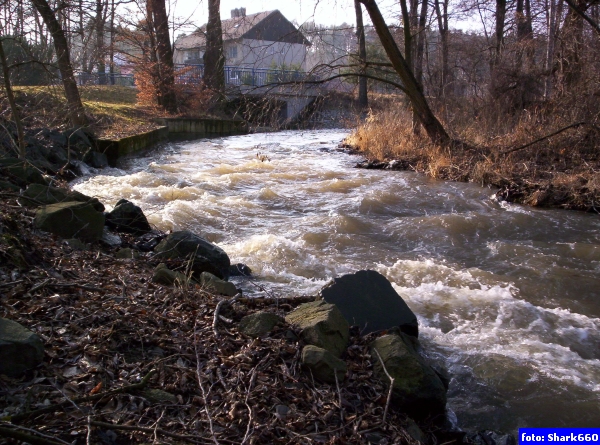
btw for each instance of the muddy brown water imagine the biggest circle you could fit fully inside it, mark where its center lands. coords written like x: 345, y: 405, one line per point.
x: 508, y: 297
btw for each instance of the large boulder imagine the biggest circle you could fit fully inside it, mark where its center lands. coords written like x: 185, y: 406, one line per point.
x: 259, y: 323
x: 205, y: 256
x: 417, y: 390
x: 37, y: 195
x: 71, y: 219
x: 322, y: 324
x: 368, y: 300
x: 20, y: 349
x: 323, y: 364
x: 127, y: 217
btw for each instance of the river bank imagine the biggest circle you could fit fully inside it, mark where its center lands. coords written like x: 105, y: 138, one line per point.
x: 538, y: 161
x: 127, y: 359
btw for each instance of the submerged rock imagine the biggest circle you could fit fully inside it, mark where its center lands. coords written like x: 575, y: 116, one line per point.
x: 368, y: 300
x: 20, y: 349
x: 71, y: 220
x: 205, y: 256
x: 417, y: 389
x: 322, y: 325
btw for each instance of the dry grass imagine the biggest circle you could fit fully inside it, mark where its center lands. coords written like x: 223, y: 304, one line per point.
x: 112, y: 110
x: 559, y: 171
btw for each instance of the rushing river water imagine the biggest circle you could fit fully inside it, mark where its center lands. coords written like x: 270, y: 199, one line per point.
x: 508, y: 297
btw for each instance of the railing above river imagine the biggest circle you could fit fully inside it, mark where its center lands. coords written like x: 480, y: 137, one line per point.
x: 193, y: 74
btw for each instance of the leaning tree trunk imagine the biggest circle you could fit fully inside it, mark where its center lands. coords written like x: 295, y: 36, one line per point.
x: 76, y: 111
x: 427, y: 119
x: 214, y: 60
x: 363, y: 99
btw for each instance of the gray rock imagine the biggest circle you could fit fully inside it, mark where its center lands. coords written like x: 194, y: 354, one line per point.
x: 417, y: 389
x: 37, y: 195
x: 127, y: 254
x: 368, y: 300
x: 97, y: 159
x: 71, y: 220
x: 20, y: 349
x: 76, y: 244
x: 127, y: 217
x: 21, y: 172
x: 259, y: 323
x: 110, y: 239
x: 322, y: 325
x: 205, y: 256
x: 216, y: 285
x: 323, y: 364
x: 163, y: 275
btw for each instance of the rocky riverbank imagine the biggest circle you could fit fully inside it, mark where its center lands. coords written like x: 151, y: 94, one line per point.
x: 143, y: 336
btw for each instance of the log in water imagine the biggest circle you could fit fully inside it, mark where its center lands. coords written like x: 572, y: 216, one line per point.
x: 508, y: 297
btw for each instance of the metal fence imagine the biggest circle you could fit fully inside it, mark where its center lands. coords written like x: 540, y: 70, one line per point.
x: 126, y: 80
x: 236, y: 75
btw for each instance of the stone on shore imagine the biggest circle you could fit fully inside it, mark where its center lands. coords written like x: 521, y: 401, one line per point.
x: 71, y: 219
x: 129, y: 218
x: 216, y: 285
x: 259, y: 323
x: 20, y: 349
x: 205, y: 256
x: 323, y: 364
x: 417, y: 390
x: 164, y: 275
x: 322, y: 324
x: 37, y: 195
x: 368, y: 300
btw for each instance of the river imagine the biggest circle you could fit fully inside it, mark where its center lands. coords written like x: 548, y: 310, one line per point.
x: 508, y: 297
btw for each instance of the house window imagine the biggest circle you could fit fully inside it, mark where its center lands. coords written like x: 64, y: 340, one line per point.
x: 193, y: 54
x: 232, y: 52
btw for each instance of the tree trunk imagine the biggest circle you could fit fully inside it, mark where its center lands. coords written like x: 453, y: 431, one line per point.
x: 421, y: 43
x: 100, y: 42
x: 11, y: 101
x: 432, y: 126
x: 407, y: 33
x: 76, y: 110
x: 214, y: 60
x: 442, y: 19
x: 166, y: 86
x: 363, y: 100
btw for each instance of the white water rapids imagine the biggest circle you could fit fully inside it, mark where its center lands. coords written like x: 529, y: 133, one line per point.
x: 507, y: 297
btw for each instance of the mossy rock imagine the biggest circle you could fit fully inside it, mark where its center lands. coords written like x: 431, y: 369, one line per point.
x: 322, y: 325
x: 20, y: 348
x: 417, y: 390
x: 323, y: 364
x: 259, y: 323
x: 37, y: 195
x: 71, y: 220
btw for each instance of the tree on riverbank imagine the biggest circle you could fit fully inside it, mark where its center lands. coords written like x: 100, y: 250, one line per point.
x: 76, y: 111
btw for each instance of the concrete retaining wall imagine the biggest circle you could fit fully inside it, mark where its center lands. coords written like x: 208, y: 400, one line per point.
x: 173, y: 129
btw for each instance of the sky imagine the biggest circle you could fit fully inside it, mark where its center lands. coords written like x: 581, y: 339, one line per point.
x: 325, y: 12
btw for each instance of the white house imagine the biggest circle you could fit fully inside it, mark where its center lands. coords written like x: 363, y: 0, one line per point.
x: 263, y: 40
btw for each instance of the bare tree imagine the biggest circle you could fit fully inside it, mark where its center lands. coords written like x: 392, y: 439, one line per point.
x: 76, y: 111
x: 11, y: 100
x: 363, y: 99
x: 214, y: 59
x: 412, y: 88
